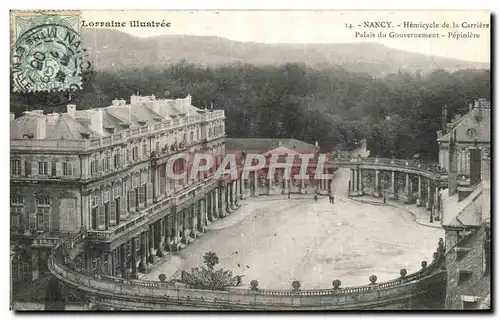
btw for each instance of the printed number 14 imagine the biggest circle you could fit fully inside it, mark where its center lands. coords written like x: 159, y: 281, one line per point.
x: 348, y: 25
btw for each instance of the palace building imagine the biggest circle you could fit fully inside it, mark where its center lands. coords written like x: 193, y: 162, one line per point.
x: 101, y: 175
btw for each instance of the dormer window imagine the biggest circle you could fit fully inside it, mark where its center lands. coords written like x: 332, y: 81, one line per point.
x: 125, y: 125
x: 110, y: 130
x: 142, y: 122
x: 28, y: 136
x: 85, y: 135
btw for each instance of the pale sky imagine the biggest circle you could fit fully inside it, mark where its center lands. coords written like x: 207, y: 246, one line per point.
x: 317, y: 27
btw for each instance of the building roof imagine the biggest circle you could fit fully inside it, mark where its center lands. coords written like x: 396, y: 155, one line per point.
x: 261, y: 145
x: 64, y: 128
x: 67, y: 128
x: 479, y: 120
x: 463, y: 213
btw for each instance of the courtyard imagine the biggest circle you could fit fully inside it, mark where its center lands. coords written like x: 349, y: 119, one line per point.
x: 277, y: 240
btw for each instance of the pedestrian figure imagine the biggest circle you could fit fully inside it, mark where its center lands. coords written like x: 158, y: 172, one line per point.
x: 333, y: 199
x: 315, y: 197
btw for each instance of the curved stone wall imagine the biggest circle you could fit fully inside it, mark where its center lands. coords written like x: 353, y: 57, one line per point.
x: 119, y: 293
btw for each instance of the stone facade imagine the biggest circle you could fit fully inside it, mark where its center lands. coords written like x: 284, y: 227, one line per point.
x: 102, y: 173
x: 468, y: 266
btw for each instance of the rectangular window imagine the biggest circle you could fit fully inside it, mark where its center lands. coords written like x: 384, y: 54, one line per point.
x: 93, y: 167
x: 145, y: 150
x: 67, y: 169
x: 117, y: 160
x: 43, y: 168
x: 118, y: 190
x: 106, y: 196
x: 53, y: 169
x: 15, y: 167
x: 464, y: 275
x: 16, y: 215
x: 461, y: 252
x: 106, y: 163
x: 135, y: 153
x: 93, y: 200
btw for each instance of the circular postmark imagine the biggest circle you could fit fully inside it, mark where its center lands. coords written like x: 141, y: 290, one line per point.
x: 47, y: 58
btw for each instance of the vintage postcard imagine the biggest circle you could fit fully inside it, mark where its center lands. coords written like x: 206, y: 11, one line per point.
x: 250, y: 160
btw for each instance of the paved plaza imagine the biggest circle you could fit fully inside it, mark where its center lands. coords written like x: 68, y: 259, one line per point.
x: 276, y: 240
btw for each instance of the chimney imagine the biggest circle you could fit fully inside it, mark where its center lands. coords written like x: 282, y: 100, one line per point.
x: 186, y: 104
x: 452, y: 172
x: 12, y: 116
x: 71, y: 110
x: 96, y: 122
x: 444, y: 118
x: 41, y: 126
x: 52, y: 118
x: 179, y: 105
x: 316, y: 144
x: 475, y: 165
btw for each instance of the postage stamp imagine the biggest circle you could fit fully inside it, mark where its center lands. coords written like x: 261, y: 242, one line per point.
x: 46, y: 52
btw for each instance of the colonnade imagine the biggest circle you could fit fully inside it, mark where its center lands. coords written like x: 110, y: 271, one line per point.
x: 412, y: 188
x: 181, y: 225
x: 271, y: 186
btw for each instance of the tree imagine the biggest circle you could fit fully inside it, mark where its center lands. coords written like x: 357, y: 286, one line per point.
x: 373, y: 279
x: 254, y: 285
x: 210, y: 259
x: 162, y: 277
x: 336, y: 283
x: 296, y: 285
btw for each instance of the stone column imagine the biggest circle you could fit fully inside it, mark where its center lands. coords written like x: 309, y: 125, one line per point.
x: 156, y: 183
x: 232, y: 195
x: 176, y: 228
x: 161, y: 237
x: 111, y: 263
x: 355, y: 189
x: 194, y: 219
x: 255, y: 185
x: 360, y: 181
x: 237, y: 191
x: 376, y: 193
x: 134, y: 258
x: 407, y: 189
x: 34, y: 265
x: 143, y: 262
x: 185, y: 231
x: 393, y: 184
x: 419, y: 198
x: 209, y: 204
x: 152, y: 253
x: 123, y: 259
x: 242, y: 189
x: 436, y: 204
x: 428, y: 203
